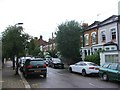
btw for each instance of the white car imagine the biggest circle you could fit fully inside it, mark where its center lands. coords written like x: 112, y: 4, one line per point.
x: 84, y: 68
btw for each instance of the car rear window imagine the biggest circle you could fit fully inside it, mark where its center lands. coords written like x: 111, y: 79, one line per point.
x: 92, y: 64
x: 105, y: 65
x: 36, y: 62
x: 113, y: 66
x: 56, y: 60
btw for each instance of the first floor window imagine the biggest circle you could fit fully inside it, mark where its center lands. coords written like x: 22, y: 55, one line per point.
x: 113, y: 33
x: 86, y: 39
x: 103, y: 37
x: 93, y: 36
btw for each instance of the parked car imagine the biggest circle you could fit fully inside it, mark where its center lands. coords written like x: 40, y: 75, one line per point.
x: 110, y: 71
x: 84, y: 68
x: 56, y: 63
x: 22, y: 61
x: 47, y: 60
x: 34, y: 67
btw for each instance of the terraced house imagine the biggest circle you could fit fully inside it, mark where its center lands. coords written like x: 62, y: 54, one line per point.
x: 103, y: 36
x: 90, y: 36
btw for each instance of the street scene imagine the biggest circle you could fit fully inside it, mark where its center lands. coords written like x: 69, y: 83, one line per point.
x: 60, y: 45
x: 56, y: 78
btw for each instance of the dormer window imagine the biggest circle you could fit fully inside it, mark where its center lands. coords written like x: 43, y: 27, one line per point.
x: 113, y: 34
x: 103, y: 37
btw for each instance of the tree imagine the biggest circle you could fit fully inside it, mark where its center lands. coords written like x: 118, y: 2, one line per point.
x: 13, y: 42
x: 68, y: 39
x: 33, y: 47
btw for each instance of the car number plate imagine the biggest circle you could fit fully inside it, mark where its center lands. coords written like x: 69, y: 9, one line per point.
x: 37, y: 71
x: 96, y: 68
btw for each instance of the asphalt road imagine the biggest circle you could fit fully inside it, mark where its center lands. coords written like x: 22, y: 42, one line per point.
x: 62, y: 78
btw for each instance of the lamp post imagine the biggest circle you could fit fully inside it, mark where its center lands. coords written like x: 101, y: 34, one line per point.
x: 18, y: 24
x: 17, y: 64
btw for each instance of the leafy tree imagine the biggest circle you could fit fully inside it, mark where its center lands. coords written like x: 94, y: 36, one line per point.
x: 13, y: 42
x: 33, y: 48
x: 68, y: 39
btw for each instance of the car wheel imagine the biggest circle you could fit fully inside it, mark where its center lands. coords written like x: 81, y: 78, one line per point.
x: 45, y: 75
x: 83, y: 72
x: 21, y: 69
x: 105, y: 77
x: 70, y: 70
x: 53, y: 66
x: 62, y: 67
x: 25, y: 75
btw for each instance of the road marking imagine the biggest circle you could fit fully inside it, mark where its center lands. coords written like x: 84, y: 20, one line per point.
x: 1, y: 81
x: 24, y: 80
x: 91, y: 84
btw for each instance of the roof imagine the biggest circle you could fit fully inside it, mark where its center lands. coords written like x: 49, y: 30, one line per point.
x: 109, y: 43
x: 93, y: 25
x: 111, y: 19
x: 96, y: 24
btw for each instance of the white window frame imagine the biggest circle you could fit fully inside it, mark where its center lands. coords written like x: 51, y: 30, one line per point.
x: 86, y: 37
x: 115, y: 29
x: 101, y: 36
x: 92, y: 38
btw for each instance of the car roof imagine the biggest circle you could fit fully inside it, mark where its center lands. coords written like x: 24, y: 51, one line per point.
x: 112, y: 62
x: 86, y: 62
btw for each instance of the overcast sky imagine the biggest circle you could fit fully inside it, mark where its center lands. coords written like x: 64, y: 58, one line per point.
x: 41, y: 17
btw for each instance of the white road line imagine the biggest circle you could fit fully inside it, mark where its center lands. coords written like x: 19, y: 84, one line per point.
x: 24, y: 80
x: 1, y: 81
x: 91, y: 84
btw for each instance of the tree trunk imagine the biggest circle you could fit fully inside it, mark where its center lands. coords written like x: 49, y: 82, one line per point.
x: 13, y: 61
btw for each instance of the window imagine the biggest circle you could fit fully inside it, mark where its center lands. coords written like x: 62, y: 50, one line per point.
x: 100, y: 49
x: 113, y: 66
x: 103, y: 37
x: 107, y: 48
x: 86, y: 39
x: 113, y: 33
x: 119, y: 67
x: 95, y: 49
x: 85, y: 52
x: 93, y: 36
x: 88, y: 52
x: 105, y: 65
x: 112, y: 48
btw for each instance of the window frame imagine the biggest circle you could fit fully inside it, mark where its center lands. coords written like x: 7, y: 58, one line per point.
x: 86, y: 36
x: 113, y: 33
x: 103, y: 39
x: 93, y: 41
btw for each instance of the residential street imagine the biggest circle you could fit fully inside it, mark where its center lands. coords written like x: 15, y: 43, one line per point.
x: 56, y: 78
x: 61, y: 78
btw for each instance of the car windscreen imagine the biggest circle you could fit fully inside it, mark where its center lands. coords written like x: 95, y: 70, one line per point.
x: 92, y: 64
x: 57, y: 60
x: 33, y: 63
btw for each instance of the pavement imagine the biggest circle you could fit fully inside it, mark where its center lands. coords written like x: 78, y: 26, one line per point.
x: 12, y: 81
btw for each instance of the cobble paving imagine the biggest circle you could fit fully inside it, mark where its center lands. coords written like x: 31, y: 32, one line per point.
x: 9, y: 79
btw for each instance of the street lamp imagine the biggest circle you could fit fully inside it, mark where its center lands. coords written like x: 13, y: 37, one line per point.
x: 18, y: 24
x: 17, y: 64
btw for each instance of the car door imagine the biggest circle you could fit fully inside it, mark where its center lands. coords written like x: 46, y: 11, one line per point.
x: 79, y: 67
x: 112, y: 71
x: 118, y: 74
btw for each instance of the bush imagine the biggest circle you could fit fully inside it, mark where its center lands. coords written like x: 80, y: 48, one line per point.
x: 93, y: 58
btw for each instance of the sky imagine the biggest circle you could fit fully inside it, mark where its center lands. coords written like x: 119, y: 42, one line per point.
x: 42, y: 17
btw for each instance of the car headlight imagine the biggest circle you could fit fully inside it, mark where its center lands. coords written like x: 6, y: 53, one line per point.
x: 21, y: 65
